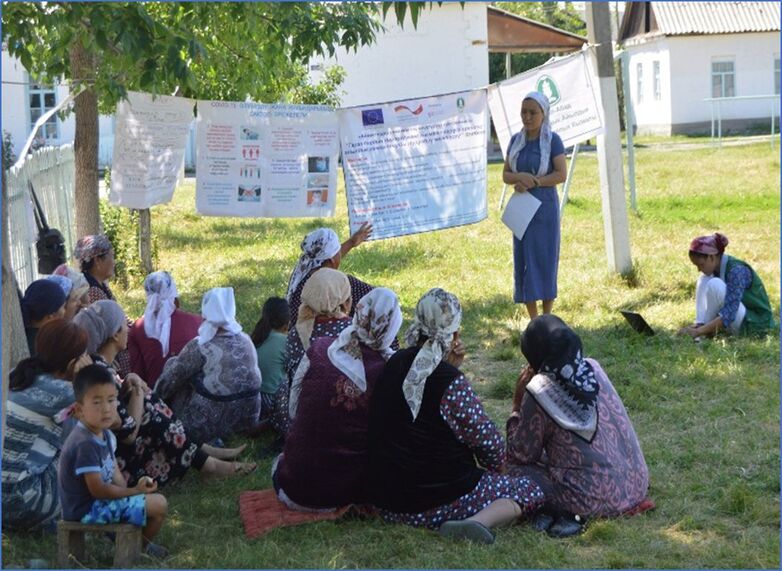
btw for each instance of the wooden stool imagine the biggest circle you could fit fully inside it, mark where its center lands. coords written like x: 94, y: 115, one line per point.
x: 70, y: 542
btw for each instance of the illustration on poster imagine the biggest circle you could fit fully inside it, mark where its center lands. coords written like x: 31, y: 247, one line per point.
x: 317, y: 197
x: 318, y: 164
x: 248, y: 134
x: 249, y: 193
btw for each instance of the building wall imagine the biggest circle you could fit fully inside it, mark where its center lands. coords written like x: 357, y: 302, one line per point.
x: 686, y: 75
x: 651, y: 115
x: 448, y: 51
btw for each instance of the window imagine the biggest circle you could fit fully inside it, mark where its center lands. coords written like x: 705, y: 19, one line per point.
x: 639, y: 82
x: 776, y: 76
x: 42, y: 99
x: 656, y: 80
x: 723, y: 79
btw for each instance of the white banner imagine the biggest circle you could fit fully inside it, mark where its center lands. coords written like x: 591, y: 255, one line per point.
x: 149, y: 148
x: 571, y: 87
x: 415, y: 165
x: 266, y: 160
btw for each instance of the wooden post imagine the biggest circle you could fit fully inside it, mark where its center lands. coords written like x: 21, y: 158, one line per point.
x: 145, y: 238
x: 609, y: 144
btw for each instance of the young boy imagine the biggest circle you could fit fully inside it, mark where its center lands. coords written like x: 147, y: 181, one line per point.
x: 92, y: 489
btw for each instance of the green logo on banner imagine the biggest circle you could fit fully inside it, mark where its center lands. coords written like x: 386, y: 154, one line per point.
x: 547, y: 87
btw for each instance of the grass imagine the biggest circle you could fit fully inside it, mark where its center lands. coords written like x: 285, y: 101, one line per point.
x: 707, y: 415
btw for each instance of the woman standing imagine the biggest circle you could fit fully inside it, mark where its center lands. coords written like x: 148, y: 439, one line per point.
x: 729, y: 294
x: 535, y: 163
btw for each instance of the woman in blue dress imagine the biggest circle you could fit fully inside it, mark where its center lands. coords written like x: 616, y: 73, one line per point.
x: 535, y: 163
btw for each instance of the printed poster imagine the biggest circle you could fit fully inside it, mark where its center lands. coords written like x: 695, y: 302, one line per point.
x: 416, y: 165
x: 150, y: 135
x: 571, y: 88
x: 269, y: 161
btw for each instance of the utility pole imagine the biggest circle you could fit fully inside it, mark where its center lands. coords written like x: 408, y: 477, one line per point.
x: 609, y: 144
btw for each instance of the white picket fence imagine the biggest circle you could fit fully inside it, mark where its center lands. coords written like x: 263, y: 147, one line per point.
x: 51, y: 170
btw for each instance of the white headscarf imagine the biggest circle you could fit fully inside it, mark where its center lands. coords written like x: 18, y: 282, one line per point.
x: 438, y: 316
x: 520, y: 141
x: 375, y: 324
x: 218, y: 309
x: 317, y: 247
x: 161, y: 293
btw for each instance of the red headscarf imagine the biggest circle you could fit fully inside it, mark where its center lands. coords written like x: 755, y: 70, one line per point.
x: 714, y: 244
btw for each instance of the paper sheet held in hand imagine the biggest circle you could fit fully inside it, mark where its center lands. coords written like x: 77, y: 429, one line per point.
x: 519, y: 211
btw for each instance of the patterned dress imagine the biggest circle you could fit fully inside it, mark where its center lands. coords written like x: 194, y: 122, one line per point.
x: 461, y: 409
x: 162, y: 449
x: 100, y: 291
x: 606, y: 477
x: 214, y: 388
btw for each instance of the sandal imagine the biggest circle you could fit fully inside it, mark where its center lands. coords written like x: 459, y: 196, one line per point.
x: 244, y: 468
x: 467, y: 529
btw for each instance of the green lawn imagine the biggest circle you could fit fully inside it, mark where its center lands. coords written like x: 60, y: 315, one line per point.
x: 707, y: 415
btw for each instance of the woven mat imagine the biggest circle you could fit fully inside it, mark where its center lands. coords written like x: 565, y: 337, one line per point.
x: 261, y: 512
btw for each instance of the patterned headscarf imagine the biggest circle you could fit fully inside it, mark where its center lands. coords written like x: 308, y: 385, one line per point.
x: 218, y: 309
x: 102, y: 320
x: 375, y: 324
x: 41, y: 298
x: 565, y: 385
x: 714, y: 244
x: 63, y: 282
x: 520, y: 141
x: 161, y: 293
x: 77, y: 278
x: 317, y: 247
x: 324, y: 294
x: 438, y: 316
x: 90, y: 247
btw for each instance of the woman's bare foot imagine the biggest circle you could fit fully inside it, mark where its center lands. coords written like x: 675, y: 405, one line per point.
x: 215, y: 468
x: 223, y: 453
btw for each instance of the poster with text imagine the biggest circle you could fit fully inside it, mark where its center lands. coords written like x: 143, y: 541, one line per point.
x: 415, y: 165
x: 269, y: 161
x: 570, y: 84
x: 150, y: 135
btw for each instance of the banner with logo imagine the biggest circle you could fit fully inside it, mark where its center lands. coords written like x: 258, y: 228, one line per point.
x: 571, y: 88
x: 415, y: 165
x: 150, y: 135
x: 266, y: 160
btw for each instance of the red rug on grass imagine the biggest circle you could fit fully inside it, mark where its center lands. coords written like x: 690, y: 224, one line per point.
x: 261, y: 512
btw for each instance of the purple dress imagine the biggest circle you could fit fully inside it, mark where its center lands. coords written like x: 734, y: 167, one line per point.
x: 605, y: 477
x: 536, y: 255
x: 325, y: 463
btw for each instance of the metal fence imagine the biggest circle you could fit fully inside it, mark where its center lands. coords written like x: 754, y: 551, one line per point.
x: 51, y: 170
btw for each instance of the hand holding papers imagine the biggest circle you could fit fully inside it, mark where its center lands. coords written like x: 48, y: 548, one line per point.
x: 519, y: 211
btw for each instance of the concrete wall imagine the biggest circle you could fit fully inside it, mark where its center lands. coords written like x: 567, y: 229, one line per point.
x: 448, y: 51
x: 651, y: 115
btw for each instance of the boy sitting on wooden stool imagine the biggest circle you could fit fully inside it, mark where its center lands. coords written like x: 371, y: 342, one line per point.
x: 92, y: 489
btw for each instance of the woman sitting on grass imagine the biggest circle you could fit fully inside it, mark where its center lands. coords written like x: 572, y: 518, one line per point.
x: 427, y: 428
x: 43, y: 301
x: 39, y: 393
x: 214, y: 385
x: 324, y: 311
x: 729, y: 294
x: 151, y: 441
x: 163, y: 330
x: 331, y: 413
x: 76, y: 296
x: 570, y: 432
x: 270, y: 337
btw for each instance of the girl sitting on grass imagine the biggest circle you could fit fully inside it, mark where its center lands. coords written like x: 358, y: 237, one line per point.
x: 269, y: 337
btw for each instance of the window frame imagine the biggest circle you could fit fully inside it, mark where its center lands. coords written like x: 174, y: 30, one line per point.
x: 657, y: 90
x: 722, y: 76
x: 41, y: 90
x: 639, y: 83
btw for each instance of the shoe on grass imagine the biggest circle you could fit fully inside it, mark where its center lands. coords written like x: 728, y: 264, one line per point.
x: 566, y: 526
x: 542, y: 521
x: 467, y: 529
x: 155, y: 550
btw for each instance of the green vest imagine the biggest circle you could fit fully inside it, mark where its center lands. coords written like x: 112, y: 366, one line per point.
x: 759, y: 318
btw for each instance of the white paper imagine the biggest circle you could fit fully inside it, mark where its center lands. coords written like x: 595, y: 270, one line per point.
x: 570, y: 85
x: 149, y: 149
x: 519, y: 211
x: 269, y: 161
x: 416, y: 165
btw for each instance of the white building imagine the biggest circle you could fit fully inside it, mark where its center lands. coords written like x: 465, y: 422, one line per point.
x: 683, y: 53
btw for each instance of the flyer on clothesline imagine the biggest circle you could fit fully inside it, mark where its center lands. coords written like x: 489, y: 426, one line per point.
x: 570, y: 83
x: 415, y: 165
x: 150, y: 134
x: 270, y: 161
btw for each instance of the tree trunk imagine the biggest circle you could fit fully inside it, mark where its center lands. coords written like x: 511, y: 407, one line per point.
x: 13, y: 336
x: 145, y: 238
x: 85, y: 146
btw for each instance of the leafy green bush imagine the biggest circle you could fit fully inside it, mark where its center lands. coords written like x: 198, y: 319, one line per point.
x: 9, y: 158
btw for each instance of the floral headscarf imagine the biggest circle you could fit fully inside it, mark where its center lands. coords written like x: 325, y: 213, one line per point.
x: 438, y: 316
x: 520, y: 141
x: 218, y: 309
x: 77, y: 278
x: 91, y: 247
x: 317, y: 247
x: 565, y: 385
x: 161, y: 293
x: 714, y: 244
x: 324, y: 294
x: 375, y: 324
